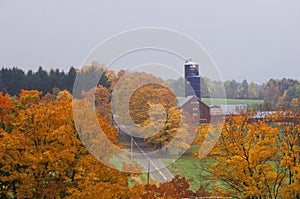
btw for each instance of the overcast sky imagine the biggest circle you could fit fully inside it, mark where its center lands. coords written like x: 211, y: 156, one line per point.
x: 254, y: 40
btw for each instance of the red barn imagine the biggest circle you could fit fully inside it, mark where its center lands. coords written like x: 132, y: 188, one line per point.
x: 197, y: 109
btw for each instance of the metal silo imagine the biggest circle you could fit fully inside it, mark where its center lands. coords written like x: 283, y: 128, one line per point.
x: 192, y: 78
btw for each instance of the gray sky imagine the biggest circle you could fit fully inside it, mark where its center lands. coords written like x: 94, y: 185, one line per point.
x: 254, y: 40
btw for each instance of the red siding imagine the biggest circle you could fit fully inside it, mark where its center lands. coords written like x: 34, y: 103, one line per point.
x: 197, y: 109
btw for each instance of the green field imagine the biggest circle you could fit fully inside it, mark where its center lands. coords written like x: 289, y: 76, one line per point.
x: 218, y: 101
x: 189, y: 168
x: 193, y: 169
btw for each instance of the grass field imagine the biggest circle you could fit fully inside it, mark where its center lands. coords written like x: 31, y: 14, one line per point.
x: 193, y: 169
x: 218, y: 101
x: 189, y: 168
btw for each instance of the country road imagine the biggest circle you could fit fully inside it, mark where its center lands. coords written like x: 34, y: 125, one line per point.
x: 148, y: 160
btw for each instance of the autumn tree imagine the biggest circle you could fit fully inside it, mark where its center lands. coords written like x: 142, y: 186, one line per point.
x: 114, y: 77
x: 89, y: 77
x: 280, y: 92
x: 242, y: 90
x: 149, y: 95
x: 178, y: 187
x: 257, y: 158
x: 253, y: 91
x: 147, y: 102
x: 37, y: 152
x: 101, y: 95
x: 6, y: 108
x: 289, y: 146
x: 43, y: 157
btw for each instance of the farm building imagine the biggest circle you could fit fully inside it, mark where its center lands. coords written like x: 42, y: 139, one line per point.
x: 195, y: 108
x: 192, y: 105
x: 227, y: 109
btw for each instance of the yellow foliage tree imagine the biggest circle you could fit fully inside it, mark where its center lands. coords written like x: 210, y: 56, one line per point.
x: 43, y: 157
x: 258, y: 158
x: 6, y: 108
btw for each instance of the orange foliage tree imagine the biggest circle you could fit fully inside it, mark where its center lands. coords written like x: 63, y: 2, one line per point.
x: 178, y: 187
x: 102, y: 100
x: 146, y: 98
x: 257, y: 158
x: 43, y: 157
x: 6, y: 108
x: 150, y: 103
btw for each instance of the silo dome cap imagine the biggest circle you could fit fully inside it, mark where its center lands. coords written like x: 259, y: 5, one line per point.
x: 190, y: 62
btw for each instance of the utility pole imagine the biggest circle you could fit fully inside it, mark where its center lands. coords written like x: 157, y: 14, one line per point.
x: 131, y: 148
x: 148, y: 174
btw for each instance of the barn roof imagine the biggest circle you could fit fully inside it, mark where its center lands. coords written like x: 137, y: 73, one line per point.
x: 215, y: 106
x: 233, y: 108
x: 185, y: 100
x: 188, y: 98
